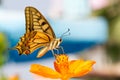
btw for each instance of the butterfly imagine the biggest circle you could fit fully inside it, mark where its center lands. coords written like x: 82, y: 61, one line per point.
x: 39, y: 34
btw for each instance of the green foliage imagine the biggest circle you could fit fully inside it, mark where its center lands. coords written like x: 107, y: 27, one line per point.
x: 112, y: 15
x: 2, y: 77
x: 3, y: 48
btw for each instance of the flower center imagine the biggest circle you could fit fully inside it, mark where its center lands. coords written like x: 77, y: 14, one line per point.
x: 61, y: 58
x: 62, y: 63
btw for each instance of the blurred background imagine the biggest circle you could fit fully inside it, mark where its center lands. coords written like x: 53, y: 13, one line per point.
x: 95, y: 34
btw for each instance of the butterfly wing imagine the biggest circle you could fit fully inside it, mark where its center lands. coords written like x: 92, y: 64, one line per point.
x: 35, y: 21
x: 34, y: 40
x: 38, y: 32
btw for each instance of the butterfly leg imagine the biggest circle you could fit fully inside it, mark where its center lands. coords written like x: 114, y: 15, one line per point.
x: 56, y: 51
x: 53, y: 52
x: 60, y: 48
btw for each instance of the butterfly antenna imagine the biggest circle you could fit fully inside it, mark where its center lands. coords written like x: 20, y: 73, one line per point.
x: 65, y: 33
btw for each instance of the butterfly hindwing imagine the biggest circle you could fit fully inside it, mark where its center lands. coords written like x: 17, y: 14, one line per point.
x: 31, y: 41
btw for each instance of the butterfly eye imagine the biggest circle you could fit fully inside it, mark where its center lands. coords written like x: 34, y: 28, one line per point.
x: 60, y: 40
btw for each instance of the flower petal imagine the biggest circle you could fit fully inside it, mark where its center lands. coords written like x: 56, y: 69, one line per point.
x: 14, y: 77
x: 74, y: 64
x: 80, y: 68
x: 57, y: 67
x: 44, y: 71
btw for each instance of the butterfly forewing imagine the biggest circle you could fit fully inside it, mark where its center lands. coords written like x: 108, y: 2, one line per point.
x: 35, y: 21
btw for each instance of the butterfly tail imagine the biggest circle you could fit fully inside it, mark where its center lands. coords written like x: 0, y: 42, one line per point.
x: 42, y: 52
x: 13, y: 48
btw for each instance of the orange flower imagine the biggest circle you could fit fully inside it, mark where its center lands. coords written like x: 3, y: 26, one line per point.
x: 65, y: 69
x: 14, y: 77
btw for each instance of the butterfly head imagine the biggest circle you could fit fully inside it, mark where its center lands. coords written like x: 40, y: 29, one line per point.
x: 59, y: 40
